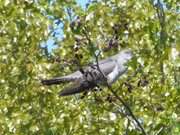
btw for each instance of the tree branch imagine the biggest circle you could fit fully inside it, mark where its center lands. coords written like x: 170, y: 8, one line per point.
x: 119, y: 98
x: 110, y: 88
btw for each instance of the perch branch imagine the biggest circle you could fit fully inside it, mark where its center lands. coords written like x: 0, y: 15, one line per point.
x: 120, y: 99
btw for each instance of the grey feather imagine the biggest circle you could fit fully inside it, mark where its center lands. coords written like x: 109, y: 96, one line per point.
x: 112, y: 67
x: 77, y: 88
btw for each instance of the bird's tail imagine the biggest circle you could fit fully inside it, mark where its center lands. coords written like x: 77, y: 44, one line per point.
x: 56, y: 80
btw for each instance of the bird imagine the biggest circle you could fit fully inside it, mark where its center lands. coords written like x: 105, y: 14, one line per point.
x: 93, y: 75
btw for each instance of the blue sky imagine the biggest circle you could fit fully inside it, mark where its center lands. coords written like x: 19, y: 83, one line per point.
x: 50, y: 42
x: 82, y: 2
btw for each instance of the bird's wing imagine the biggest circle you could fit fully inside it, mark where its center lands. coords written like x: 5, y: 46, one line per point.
x: 91, y: 80
x: 105, y: 65
x: 92, y: 73
x: 120, y: 66
x: 71, y: 77
x: 77, y: 87
x: 116, y: 73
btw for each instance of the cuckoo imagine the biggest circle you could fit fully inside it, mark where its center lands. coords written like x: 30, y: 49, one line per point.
x: 93, y: 75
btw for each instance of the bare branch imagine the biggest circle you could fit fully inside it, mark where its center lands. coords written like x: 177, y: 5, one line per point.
x: 110, y: 88
x: 120, y: 99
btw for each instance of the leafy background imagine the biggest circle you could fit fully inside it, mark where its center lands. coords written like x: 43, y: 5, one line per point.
x: 150, y: 28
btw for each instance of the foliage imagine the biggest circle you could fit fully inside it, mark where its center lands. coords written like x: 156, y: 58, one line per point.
x: 149, y: 28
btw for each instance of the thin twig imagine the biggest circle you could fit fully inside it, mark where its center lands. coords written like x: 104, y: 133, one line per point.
x: 128, y: 109
x: 127, y: 128
x: 125, y: 114
x: 159, y: 131
x: 163, y: 34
